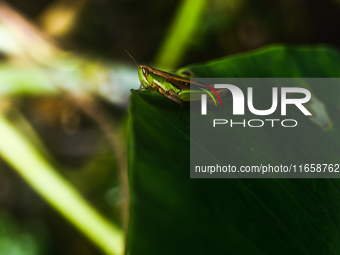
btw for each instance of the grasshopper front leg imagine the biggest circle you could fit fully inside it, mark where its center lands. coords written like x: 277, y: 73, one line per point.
x: 140, y: 88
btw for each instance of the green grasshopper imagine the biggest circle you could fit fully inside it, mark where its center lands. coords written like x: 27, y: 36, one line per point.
x: 174, y: 87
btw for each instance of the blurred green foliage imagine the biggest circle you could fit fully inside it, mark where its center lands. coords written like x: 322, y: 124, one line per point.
x: 25, y: 239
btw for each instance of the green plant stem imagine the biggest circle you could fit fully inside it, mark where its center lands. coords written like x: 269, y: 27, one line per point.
x: 180, y: 34
x: 42, y: 177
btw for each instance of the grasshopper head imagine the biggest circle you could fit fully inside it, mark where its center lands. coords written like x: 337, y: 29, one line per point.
x: 144, y: 69
x: 144, y: 75
x: 144, y: 72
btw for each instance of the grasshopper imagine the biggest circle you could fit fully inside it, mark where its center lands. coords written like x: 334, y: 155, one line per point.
x: 174, y: 87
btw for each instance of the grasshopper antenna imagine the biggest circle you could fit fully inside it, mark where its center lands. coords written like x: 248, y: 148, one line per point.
x: 131, y: 57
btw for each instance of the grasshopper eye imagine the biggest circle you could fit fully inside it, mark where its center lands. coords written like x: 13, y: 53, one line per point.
x: 145, y: 72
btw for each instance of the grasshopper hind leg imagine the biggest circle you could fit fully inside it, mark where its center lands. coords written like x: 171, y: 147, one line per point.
x: 175, y: 99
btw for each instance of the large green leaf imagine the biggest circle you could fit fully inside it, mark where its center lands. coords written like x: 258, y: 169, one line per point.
x: 173, y: 214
